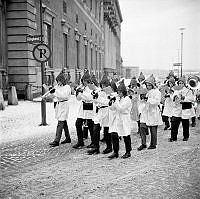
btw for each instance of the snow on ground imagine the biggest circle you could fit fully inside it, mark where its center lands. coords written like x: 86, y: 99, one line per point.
x: 23, y: 120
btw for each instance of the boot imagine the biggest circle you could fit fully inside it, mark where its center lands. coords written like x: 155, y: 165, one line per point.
x: 114, y: 155
x: 142, y: 147
x: 54, y: 144
x: 90, y: 145
x: 66, y: 141
x: 78, y: 145
x: 171, y: 140
x: 107, y: 150
x: 126, y: 155
x: 93, y: 151
x: 151, y: 147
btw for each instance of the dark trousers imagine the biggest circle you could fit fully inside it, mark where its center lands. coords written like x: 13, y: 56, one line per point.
x: 143, y: 132
x: 115, y: 142
x: 85, y: 129
x: 96, y: 136
x: 175, y: 122
x: 153, y: 131
x: 194, y: 120
x: 138, y: 122
x: 60, y: 126
x: 107, y: 137
x: 79, y: 129
x: 166, y: 121
x: 186, y: 127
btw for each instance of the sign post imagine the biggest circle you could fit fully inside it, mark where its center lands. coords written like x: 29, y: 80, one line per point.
x: 41, y: 53
x: 43, y: 102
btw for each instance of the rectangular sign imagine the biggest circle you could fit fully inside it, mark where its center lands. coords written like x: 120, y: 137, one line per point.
x: 34, y: 38
x: 177, y: 64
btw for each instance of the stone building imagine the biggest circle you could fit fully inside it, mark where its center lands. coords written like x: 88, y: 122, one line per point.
x: 130, y: 71
x: 112, y: 34
x: 80, y: 34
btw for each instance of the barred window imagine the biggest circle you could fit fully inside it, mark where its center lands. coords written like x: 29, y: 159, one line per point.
x: 76, y: 18
x: 64, y: 7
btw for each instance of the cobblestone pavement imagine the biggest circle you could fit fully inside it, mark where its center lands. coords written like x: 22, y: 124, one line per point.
x: 31, y: 169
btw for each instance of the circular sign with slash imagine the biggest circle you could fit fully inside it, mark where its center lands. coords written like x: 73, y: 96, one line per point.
x: 41, y: 52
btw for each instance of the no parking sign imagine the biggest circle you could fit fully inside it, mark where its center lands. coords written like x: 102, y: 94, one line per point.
x: 41, y: 52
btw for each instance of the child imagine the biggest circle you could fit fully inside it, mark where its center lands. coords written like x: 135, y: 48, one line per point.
x: 167, y: 111
x: 119, y: 121
x: 153, y: 113
x: 182, y: 110
x: 142, y: 116
x: 63, y: 93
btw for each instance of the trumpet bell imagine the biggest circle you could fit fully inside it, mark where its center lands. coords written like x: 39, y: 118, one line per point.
x: 193, y: 82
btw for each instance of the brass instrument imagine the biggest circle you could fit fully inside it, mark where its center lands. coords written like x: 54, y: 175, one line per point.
x: 48, y: 92
x: 112, y: 98
x: 118, y: 83
x: 79, y: 89
x: 95, y: 94
x: 193, y: 82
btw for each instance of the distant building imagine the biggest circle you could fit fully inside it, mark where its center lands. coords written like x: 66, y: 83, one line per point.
x: 130, y: 71
x: 112, y: 35
x: 80, y: 33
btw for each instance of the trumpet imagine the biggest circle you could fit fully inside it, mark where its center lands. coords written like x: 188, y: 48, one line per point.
x: 49, y: 91
x: 112, y: 98
x: 79, y: 89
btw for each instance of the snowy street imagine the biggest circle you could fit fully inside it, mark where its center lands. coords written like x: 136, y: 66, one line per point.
x: 30, y: 168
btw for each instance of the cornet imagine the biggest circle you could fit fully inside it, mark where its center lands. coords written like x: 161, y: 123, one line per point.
x: 79, y: 89
x: 48, y: 92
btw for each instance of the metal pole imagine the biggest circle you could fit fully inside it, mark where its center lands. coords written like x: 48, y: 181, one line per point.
x: 178, y: 63
x: 182, y: 50
x: 43, y: 102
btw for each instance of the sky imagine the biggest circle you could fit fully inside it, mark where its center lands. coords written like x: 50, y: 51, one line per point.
x: 151, y: 35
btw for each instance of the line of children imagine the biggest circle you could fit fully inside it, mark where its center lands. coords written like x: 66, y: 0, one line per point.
x: 102, y: 108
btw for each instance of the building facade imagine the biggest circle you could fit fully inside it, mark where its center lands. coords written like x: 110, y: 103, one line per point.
x: 112, y: 35
x: 74, y: 30
x: 130, y: 71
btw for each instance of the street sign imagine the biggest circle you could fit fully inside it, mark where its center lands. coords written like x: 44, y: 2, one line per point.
x: 33, y: 38
x: 41, y: 52
x: 177, y: 64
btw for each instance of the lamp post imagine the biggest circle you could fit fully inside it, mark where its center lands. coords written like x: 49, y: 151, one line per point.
x: 181, y: 29
x: 43, y: 102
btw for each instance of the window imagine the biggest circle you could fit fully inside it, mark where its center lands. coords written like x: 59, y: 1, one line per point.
x: 65, y: 37
x: 91, y: 59
x: 96, y: 60
x: 86, y: 56
x: 95, y: 9
x: 100, y: 13
x: 47, y: 40
x: 77, y: 54
x: 96, y: 37
x: 91, y: 5
x: 76, y: 18
x: 99, y: 65
x: 85, y: 26
x: 64, y: 7
x: 91, y: 32
x: 2, y: 39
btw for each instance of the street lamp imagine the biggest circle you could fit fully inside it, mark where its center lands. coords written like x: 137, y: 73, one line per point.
x: 181, y: 29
